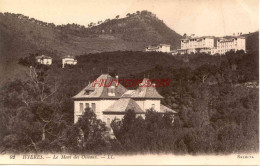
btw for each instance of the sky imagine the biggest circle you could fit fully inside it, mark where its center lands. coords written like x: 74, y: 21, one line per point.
x: 199, y: 17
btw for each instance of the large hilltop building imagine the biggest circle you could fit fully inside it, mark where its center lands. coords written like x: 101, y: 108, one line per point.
x: 159, y: 48
x: 110, y: 102
x: 196, y: 44
x: 234, y: 43
x: 210, y: 44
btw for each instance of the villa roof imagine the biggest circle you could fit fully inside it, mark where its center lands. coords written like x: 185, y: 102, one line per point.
x: 101, y: 91
x: 142, y: 92
x: 71, y: 60
x: 153, y: 47
x: 43, y: 57
x: 128, y: 93
x: 68, y: 56
x: 146, y: 92
x: 164, y: 44
x: 166, y: 109
x: 89, y: 88
x: 122, y: 105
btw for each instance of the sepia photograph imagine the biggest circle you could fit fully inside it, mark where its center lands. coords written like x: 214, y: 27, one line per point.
x: 129, y: 82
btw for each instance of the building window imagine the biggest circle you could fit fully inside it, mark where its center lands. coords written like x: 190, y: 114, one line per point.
x: 86, y: 92
x: 108, y: 121
x: 93, y: 106
x: 81, y: 107
x: 111, y: 91
x: 108, y: 124
x: 87, y: 105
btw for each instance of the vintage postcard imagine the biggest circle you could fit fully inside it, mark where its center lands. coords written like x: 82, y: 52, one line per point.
x: 129, y: 82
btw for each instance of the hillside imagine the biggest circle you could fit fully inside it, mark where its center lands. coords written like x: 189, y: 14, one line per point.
x: 216, y: 97
x: 252, y: 41
x: 210, y: 95
x: 21, y: 35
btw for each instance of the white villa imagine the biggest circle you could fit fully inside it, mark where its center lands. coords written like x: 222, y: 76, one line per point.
x: 159, y: 48
x: 111, y: 102
x: 43, y: 59
x: 70, y: 60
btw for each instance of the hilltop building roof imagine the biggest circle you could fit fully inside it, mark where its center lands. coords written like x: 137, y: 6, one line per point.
x: 196, y: 37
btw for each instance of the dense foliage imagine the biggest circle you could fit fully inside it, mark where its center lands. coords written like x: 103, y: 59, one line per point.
x: 216, y: 98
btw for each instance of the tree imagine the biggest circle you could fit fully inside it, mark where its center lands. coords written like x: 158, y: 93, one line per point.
x: 154, y: 133
x: 203, y: 72
x: 107, y: 20
x: 117, y: 17
x: 144, y: 12
x: 28, y: 61
x: 128, y: 15
x: 88, y: 135
x: 90, y: 25
x: 34, y: 122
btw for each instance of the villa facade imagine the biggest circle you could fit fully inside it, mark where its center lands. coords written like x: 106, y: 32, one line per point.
x: 110, y: 102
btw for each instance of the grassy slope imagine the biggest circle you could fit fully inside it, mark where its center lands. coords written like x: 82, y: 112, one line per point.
x: 20, y: 37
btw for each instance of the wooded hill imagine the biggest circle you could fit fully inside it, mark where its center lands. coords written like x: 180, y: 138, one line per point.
x: 216, y: 98
x: 21, y: 35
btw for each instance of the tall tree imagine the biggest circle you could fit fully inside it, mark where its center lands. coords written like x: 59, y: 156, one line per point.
x: 89, y: 134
